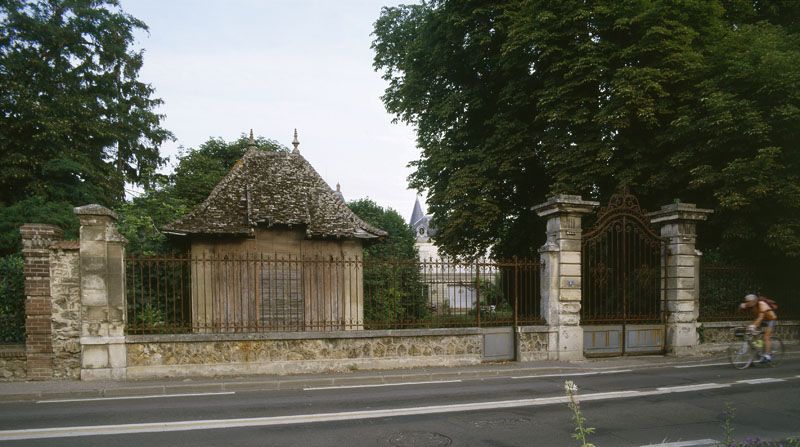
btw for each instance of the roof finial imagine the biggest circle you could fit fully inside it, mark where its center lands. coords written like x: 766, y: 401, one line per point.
x: 338, y: 193
x: 251, y: 143
x: 295, y: 143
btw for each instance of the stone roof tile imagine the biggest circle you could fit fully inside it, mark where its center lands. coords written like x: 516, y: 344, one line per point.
x: 273, y: 188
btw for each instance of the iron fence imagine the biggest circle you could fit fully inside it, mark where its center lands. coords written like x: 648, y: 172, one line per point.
x: 246, y: 293
x: 723, y: 287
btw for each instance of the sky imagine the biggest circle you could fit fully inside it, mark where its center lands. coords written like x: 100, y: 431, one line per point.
x: 225, y: 67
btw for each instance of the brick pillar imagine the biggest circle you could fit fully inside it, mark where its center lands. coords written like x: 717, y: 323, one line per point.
x: 103, y: 308
x: 561, y: 275
x: 681, y: 297
x: 36, y: 240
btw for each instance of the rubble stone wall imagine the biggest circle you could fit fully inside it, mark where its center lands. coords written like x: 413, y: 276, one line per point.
x: 222, y: 354
x: 532, y: 343
x: 719, y: 334
x: 13, y: 362
x: 65, y: 290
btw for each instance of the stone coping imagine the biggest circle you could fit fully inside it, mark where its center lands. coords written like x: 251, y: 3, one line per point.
x: 310, y: 335
x: 94, y: 210
x: 564, y: 203
x: 12, y: 351
x: 532, y: 329
x: 732, y: 324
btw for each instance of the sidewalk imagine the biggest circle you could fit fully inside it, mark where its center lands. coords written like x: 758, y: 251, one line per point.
x: 55, y: 390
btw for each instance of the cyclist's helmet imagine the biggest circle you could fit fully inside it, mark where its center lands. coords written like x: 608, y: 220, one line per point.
x: 750, y: 297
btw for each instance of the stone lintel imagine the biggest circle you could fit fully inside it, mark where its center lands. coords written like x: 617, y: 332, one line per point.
x: 679, y: 212
x: 564, y: 204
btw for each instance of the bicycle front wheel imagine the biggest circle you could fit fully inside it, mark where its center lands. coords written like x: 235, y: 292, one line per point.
x: 740, y: 354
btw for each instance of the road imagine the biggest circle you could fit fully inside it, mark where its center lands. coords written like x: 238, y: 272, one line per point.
x: 667, y: 403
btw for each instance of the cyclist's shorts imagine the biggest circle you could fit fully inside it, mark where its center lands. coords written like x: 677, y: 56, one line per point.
x: 770, y: 324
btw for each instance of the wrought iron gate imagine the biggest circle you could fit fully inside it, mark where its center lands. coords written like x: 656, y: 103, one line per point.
x: 622, y: 308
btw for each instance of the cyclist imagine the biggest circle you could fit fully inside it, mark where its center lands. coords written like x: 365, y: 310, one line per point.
x: 764, y: 312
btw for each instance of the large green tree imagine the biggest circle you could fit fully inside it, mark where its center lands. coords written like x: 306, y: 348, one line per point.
x: 76, y: 123
x: 518, y: 99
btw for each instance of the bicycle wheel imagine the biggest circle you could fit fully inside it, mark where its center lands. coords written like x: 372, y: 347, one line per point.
x: 740, y: 354
x: 777, y: 351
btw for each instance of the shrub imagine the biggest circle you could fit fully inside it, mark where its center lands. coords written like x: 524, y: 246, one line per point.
x: 12, y: 299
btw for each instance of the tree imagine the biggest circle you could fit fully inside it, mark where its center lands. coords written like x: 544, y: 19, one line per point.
x: 196, y: 174
x: 516, y: 100
x: 76, y: 122
x: 399, y: 242
x: 393, y: 289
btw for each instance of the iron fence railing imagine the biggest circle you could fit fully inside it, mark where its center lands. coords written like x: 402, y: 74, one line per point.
x: 723, y: 287
x: 247, y: 293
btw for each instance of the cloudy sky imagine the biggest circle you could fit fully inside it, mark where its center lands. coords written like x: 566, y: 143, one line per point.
x: 224, y: 67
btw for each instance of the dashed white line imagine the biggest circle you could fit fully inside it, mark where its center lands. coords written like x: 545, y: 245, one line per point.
x: 375, y: 385
x: 150, y: 396
x: 696, y: 442
x: 591, y: 373
x: 701, y: 365
x: 698, y: 387
x: 761, y: 380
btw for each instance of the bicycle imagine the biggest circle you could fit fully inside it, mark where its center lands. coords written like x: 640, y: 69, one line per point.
x: 750, y: 346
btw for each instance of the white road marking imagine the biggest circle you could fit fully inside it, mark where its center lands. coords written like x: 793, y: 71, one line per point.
x: 761, y: 380
x: 701, y: 365
x: 151, y: 396
x: 173, y: 426
x: 375, y: 385
x: 696, y: 442
x: 591, y: 373
x: 698, y: 387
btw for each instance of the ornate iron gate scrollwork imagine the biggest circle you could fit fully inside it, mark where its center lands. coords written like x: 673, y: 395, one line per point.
x: 621, y: 269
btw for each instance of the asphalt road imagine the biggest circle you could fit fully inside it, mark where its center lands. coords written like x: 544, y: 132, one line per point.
x: 637, y: 407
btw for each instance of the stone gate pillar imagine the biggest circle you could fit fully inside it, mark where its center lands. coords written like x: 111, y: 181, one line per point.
x: 103, y: 308
x: 561, y: 274
x: 681, y: 296
x: 36, y: 240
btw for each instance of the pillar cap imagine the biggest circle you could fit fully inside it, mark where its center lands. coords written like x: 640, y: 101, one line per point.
x: 94, y: 210
x: 565, y: 204
x: 679, y: 211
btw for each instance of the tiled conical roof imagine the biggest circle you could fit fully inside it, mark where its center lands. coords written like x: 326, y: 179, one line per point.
x: 273, y: 188
x: 417, y: 214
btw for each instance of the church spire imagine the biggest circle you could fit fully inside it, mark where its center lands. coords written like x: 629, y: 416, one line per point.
x: 417, y: 214
x: 295, y: 143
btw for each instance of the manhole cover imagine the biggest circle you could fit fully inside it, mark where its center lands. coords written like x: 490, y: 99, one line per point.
x: 417, y: 439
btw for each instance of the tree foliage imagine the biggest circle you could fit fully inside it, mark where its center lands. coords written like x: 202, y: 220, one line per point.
x: 399, y: 242
x: 196, y: 173
x: 76, y: 123
x: 518, y: 99
x: 393, y: 289
x: 12, y: 299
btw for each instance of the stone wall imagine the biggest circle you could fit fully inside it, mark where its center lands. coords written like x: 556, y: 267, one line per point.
x: 292, y: 353
x: 66, y: 307
x: 718, y: 334
x: 532, y: 343
x: 13, y: 364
